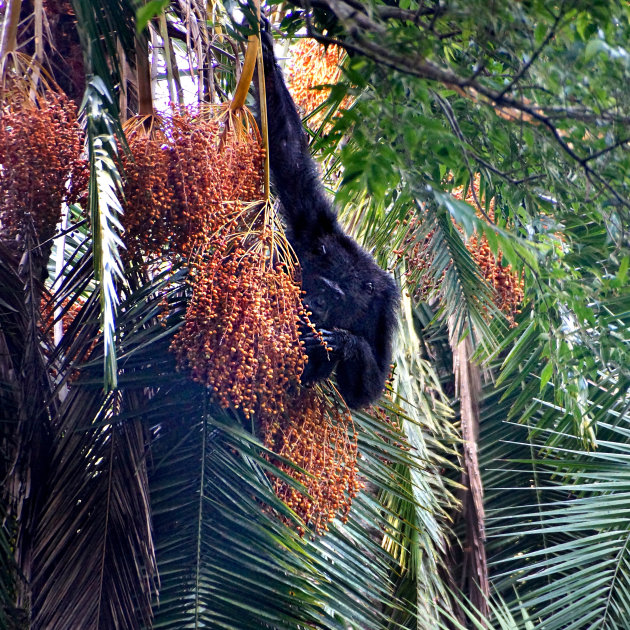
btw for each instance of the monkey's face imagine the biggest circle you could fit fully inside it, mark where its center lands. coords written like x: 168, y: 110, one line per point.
x: 341, y: 283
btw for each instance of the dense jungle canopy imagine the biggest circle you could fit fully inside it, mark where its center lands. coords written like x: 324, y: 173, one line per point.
x: 161, y: 465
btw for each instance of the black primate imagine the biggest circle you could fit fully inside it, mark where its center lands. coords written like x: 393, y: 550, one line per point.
x: 352, y: 300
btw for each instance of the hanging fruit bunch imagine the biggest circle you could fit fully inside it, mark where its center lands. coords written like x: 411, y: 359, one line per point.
x: 148, y: 196
x: 418, y: 256
x: 507, y: 283
x: 314, y: 65
x: 40, y: 162
x: 313, y: 434
x: 195, y: 191
x: 240, y: 337
x: 183, y: 172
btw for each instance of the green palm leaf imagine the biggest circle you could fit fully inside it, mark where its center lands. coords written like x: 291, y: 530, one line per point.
x: 105, y: 188
x: 558, y: 514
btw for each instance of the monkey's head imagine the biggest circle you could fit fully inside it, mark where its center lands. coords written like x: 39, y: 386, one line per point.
x: 344, y: 287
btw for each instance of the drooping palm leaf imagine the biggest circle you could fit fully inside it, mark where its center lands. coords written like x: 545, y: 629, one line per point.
x: 97, y: 515
x: 418, y: 529
x: 106, y: 28
x: 557, y: 512
x: 24, y: 417
x: 105, y: 188
x: 572, y: 536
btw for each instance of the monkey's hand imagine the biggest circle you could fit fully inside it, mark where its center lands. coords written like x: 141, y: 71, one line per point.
x: 359, y: 377
x: 324, y: 348
x: 335, y: 342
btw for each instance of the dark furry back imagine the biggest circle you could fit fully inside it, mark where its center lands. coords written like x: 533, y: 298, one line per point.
x: 352, y: 300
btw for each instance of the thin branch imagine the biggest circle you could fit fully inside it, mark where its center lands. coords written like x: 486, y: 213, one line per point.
x: 382, y: 12
x: 409, y: 15
x: 450, y: 116
x: 583, y: 114
x: 358, y: 25
x: 612, y: 147
x: 448, y: 34
x: 525, y: 67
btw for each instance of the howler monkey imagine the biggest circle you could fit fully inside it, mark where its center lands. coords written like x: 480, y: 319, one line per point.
x: 352, y: 300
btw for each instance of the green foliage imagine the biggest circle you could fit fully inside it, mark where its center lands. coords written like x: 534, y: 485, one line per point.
x: 146, y: 12
x: 162, y: 498
x: 532, y: 98
x: 105, y: 190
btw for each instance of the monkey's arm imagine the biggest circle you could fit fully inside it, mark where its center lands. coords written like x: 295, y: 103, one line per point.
x: 361, y: 373
x: 360, y: 345
x: 306, y: 207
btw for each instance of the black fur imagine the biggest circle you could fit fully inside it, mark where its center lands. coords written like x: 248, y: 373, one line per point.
x: 352, y: 300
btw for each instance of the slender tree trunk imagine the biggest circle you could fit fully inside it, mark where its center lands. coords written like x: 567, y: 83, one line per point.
x: 474, y: 575
x: 8, y: 41
x: 145, y: 97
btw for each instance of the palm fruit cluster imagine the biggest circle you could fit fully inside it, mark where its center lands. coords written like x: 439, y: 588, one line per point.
x: 193, y: 191
x: 148, y: 197
x: 507, y: 283
x: 418, y: 256
x: 40, y: 164
x: 313, y: 65
x: 67, y: 311
x: 66, y: 55
x: 182, y: 174
x: 315, y: 435
x: 240, y: 337
x: 194, y: 181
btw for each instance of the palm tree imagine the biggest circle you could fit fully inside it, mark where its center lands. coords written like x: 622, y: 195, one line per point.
x: 132, y: 497
x: 496, y: 493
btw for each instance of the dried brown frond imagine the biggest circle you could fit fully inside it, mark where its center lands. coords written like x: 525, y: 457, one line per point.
x: 24, y: 81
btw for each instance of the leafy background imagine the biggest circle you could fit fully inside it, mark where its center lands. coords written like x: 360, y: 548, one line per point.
x: 131, y: 500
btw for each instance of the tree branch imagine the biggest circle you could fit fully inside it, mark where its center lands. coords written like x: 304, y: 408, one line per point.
x: 612, y: 147
x: 359, y: 26
x: 525, y: 67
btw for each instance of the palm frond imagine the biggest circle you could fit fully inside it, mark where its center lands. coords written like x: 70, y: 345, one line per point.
x: 97, y: 515
x: 581, y: 575
x: 105, y: 187
x: 240, y: 565
x: 102, y: 27
x: 418, y: 509
x: 9, y: 572
x: 465, y: 299
x: 24, y: 417
x: 557, y: 512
